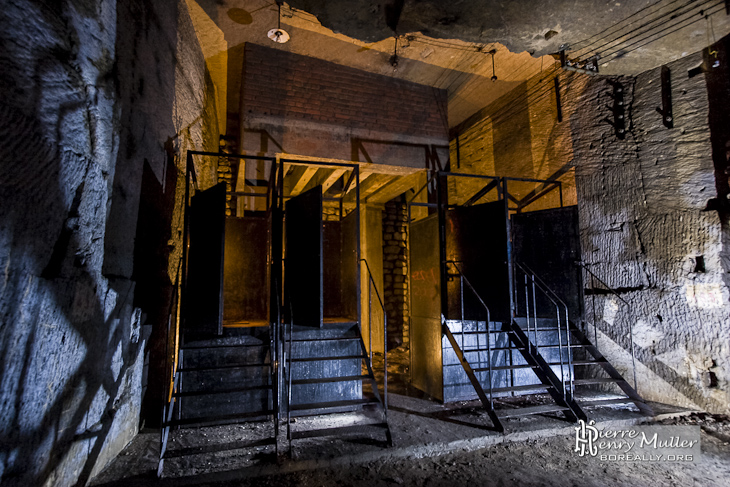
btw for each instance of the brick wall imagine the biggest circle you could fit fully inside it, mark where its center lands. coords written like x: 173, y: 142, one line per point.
x: 302, y: 105
x: 280, y: 83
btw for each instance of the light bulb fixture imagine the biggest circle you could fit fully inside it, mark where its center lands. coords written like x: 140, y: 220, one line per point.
x: 493, y: 52
x: 278, y: 35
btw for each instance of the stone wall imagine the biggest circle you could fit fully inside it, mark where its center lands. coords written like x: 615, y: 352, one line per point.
x: 395, y: 271
x: 98, y: 99
x: 642, y: 227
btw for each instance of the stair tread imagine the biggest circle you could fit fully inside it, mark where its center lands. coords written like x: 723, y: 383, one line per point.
x: 332, y: 404
x: 528, y: 366
x: 597, y: 380
x: 326, y: 339
x: 225, y: 345
x: 336, y: 430
x: 324, y: 380
x: 322, y: 359
x: 519, y: 388
x: 605, y: 402
x: 213, y: 419
x: 527, y: 411
x: 259, y: 387
x: 222, y: 367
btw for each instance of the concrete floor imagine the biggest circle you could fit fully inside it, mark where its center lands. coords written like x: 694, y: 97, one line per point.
x: 423, y: 431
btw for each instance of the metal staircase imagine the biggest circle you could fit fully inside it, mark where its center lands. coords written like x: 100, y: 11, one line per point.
x: 328, y: 373
x: 532, y: 354
x: 222, y: 380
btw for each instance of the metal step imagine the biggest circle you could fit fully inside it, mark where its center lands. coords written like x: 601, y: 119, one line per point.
x: 222, y: 391
x: 534, y: 387
x: 528, y: 411
x: 597, y: 380
x: 216, y: 419
x: 318, y: 407
x: 322, y: 359
x: 225, y: 345
x: 605, y: 402
x: 328, y: 339
x: 325, y: 380
x: 222, y: 367
x: 337, y: 430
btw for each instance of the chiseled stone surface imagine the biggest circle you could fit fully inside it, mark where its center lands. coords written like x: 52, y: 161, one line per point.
x: 90, y: 91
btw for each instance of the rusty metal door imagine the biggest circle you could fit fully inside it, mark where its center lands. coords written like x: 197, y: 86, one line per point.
x: 204, y: 284
x: 303, y: 276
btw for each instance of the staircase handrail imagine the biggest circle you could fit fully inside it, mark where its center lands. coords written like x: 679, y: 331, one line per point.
x: 463, y: 279
x: 558, y: 302
x: 583, y: 265
x: 371, y: 283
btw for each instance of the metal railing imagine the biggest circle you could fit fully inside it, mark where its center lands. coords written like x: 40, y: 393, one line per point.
x: 631, y: 320
x: 463, y: 280
x: 371, y: 286
x: 534, y: 283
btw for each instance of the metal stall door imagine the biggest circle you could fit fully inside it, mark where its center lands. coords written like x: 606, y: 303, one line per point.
x: 476, y: 241
x: 548, y: 241
x: 204, y: 284
x: 303, y: 275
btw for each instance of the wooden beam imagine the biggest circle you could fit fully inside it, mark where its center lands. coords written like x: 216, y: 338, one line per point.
x: 374, y: 183
x: 304, y: 179
x: 332, y: 178
x: 398, y: 186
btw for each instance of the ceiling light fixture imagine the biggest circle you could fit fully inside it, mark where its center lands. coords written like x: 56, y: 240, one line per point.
x: 493, y: 52
x: 279, y: 35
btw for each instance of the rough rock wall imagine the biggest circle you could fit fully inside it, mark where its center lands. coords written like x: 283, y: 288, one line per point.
x: 642, y: 228
x: 644, y: 234
x: 81, y: 113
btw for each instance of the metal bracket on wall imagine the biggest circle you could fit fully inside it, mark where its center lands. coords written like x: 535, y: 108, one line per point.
x: 558, y: 104
x: 587, y: 66
x: 666, y: 110
x: 619, y: 110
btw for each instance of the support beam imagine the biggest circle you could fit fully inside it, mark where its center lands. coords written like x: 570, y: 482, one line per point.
x: 303, y: 180
x: 373, y: 184
x: 398, y: 186
x: 332, y: 179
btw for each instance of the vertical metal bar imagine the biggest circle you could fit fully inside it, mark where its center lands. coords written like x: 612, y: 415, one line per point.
x: 560, y: 349
x: 633, y: 351
x: 527, y: 311
x: 558, y: 104
x: 570, y: 351
x: 461, y: 292
x: 442, y: 201
x: 358, y: 267
x: 385, y: 362
x: 458, y: 151
x: 370, y: 317
x: 510, y: 263
x: 489, y: 359
x: 593, y: 300
x: 534, y: 310
x: 560, y: 190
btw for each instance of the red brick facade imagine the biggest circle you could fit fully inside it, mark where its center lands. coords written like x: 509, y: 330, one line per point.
x: 280, y: 84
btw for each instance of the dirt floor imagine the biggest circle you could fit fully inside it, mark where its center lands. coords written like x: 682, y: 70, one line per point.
x: 540, y: 462
x: 435, y: 445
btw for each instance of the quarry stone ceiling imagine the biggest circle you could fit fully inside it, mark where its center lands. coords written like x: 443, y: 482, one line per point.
x: 447, y: 44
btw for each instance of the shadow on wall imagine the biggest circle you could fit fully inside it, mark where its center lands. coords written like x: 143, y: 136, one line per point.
x: 70, y: 347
